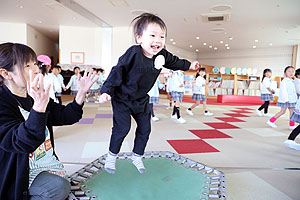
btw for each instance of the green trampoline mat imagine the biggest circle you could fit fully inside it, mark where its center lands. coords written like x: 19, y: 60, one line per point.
x: 164, y: 179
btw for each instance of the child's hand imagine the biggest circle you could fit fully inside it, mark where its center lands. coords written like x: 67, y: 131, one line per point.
x: 85, y: 83
x: 194, y: 65
x: 104, y: 98
x: 36, y: 90
x: 65, y: 89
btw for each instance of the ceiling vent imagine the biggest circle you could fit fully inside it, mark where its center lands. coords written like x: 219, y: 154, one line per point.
x: 216, y: 17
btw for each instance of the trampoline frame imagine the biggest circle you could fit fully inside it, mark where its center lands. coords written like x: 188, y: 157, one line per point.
x: 215, y: 178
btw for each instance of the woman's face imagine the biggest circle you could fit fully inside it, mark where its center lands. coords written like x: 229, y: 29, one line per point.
x: 18, y: 75
x: 269, y: 74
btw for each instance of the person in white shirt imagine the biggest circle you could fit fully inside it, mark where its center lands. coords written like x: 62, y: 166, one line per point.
x: 94, y: 90
x: 169, y: 89
x: 177, y: 95
x: 154, y: 97
x: 287, y: 97
x: 44, y: 63
x: 199, y: 92
x: 55, y: 72
x: 266, y: 93
x: 297, y: 82
x: 73, y: 81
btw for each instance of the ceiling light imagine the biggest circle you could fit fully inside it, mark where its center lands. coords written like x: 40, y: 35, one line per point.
x: 39, y: 21
x: 197, y: 50
x: 210, y: 46
x: 230, y: 38
x: 221, y: 42
x: 197, y: 38
x: 215, y: 48
x: 174, y: 43
x: 226, y: 45
x: 171, y: 39
x: 254, y: 47
x: 255, y: 40
x: 270, y: 44
x: 191, y: 46
x: 221, y: 8
x: 20, y: 6
x: 204, y: 44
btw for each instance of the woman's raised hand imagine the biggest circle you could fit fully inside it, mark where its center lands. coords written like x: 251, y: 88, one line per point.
x: 40, y: 95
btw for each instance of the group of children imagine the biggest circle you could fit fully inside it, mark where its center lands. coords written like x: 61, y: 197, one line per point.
x: 175, y: 91
x: 288, y: 98
x: 52, y: 75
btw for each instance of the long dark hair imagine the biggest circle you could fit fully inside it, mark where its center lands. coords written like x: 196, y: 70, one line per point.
x: 142, y: 21
x: 264, y: 73
x: 297, y: 73
x: 14, y: 54
x: 202, y: 69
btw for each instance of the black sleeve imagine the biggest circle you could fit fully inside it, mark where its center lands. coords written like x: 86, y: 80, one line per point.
x: 64, y: 115
x: 19, y: 136
x: 174, y: 63
x: 116, y: 74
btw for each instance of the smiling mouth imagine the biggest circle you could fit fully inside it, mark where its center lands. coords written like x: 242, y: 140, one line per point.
x: 155, y: 47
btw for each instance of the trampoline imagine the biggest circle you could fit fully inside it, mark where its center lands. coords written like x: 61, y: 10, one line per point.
x: 168, y: 176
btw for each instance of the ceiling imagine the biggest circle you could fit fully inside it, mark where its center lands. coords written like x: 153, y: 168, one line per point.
x: 256, y: 23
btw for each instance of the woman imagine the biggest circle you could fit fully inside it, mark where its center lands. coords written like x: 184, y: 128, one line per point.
x: 29, y: 168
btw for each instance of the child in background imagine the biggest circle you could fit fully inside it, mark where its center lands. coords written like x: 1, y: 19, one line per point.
x: 290, y: 142
x: 94, y: 89
x: 169, y: 89
x: 266, y: 93
x: 44, y: 63
x: 297, y: 82
x: 199, y: 92
x: 177, y: 94
x: 100, y: 73
x: 287, y: 97
x: 154, y: 98
x: 55, y: 72
x: 129, y: 82
x: 73, y: 81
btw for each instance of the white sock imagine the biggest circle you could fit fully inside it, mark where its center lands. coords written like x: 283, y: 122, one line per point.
x: 138, y: 163
x: 110, y: 163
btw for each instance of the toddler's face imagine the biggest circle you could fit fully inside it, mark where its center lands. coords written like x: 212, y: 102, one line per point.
x: 290, y: 72
x: 153, y: 40
x: 202, y: 73
x: 268, y: 74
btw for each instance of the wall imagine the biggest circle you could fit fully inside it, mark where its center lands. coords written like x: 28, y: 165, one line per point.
x: 13, y: 32
x: 276, y: 58
x: 80, y: 39
x: 122, y: 39
x: 42, y: 44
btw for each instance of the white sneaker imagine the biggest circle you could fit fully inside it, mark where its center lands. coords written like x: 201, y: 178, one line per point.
x: 292, y: 127
x: 87, y: 100
x: 155, y: 119
x: 181, y: 120
x: 189, y: 112
x: 169, y: 108
x: 292, y: 144
x: 174, y: 116
x: 258, y: 112
x: 208, y: 114
x: 267, y: 115
x: 271, y: 124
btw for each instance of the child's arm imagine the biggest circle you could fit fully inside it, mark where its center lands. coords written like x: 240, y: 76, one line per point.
x: 113, y: 80
x: 174, y: 63
x: 70, y: 83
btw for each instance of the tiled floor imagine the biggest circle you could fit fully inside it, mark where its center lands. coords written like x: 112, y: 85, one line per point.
x: 234, y: 140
